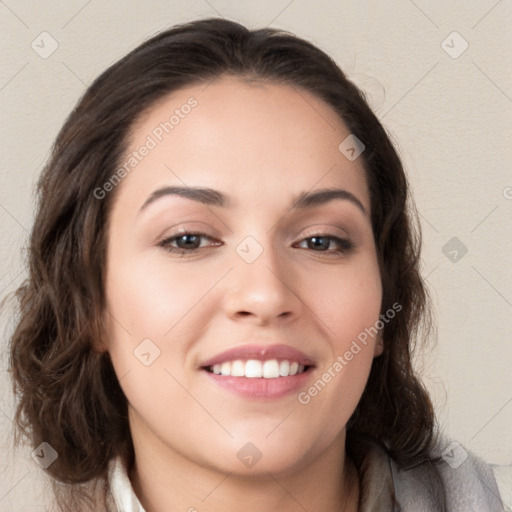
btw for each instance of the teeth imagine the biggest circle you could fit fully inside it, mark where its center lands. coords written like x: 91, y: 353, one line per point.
x: 284, y: 368
x: 238, y: 368
x: 253, y: 368
x: 271, y: 369
x: 225, y: 368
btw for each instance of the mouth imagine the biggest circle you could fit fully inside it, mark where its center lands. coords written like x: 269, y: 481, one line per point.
x: 254, y: 368
x: 260, y: 372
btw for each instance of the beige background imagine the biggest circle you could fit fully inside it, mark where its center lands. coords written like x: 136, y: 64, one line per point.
x: 450, y: 115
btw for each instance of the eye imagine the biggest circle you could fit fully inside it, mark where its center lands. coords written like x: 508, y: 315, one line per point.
x: 191, y: 242
x: 324, y: 243
x: 186, y: 242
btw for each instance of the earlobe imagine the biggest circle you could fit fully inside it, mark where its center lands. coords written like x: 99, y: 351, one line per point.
x: 99, y: 343
x: 98, y: 346
x: 379, y: 347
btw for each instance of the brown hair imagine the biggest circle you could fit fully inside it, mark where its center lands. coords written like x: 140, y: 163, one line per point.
x: 68, y: 394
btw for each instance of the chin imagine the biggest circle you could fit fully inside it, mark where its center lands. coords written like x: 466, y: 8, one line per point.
x: 258, y: 456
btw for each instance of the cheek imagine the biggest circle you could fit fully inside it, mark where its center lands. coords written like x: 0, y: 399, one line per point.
x: 151, y: 299
x: 333, y: 395
x: 347, y: 299
x: 348, y: 302
x: 146, y: 315
x: 154, y: 312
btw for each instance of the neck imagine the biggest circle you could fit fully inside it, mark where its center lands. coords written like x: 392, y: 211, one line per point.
x: 328, y: 483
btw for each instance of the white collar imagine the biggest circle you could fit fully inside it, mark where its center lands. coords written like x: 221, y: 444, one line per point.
x: 121, y: 487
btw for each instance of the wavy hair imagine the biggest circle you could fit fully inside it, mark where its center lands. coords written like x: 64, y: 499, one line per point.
x: 67, y: 393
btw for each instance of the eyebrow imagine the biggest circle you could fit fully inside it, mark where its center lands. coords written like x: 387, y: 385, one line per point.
x: 211, y: 197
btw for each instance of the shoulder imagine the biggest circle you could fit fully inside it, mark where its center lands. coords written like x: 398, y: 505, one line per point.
x: 467, y: 482
x: 503, y: 477
x: 451, y: 479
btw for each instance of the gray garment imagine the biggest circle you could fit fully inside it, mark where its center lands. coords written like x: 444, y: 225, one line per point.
x: 469, y: 485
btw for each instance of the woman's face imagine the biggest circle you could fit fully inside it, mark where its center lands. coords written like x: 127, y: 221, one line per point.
x: 279, y: 284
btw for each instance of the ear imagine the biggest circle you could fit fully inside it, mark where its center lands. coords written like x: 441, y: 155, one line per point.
x: 379, y: 346
x: 99, y: 343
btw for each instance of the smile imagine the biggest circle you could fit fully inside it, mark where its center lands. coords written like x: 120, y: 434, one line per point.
x: 253, y: 368
x: 260, y: 372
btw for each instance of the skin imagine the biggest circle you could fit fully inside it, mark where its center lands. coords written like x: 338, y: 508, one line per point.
x: 260, y: 144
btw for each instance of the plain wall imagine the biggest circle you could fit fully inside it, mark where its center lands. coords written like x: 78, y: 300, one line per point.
x: 449, y: 114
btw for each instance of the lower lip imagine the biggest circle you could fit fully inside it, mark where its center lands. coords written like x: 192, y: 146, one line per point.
x: 261, y: 388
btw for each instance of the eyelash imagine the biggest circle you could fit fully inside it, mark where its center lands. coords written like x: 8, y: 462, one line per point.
x: 345, y: 246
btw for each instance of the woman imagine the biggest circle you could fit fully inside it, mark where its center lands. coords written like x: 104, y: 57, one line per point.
x: 224, y: 293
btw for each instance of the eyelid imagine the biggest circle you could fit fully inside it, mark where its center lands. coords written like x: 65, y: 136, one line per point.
x: 325, y: 230
x: 188, y: 227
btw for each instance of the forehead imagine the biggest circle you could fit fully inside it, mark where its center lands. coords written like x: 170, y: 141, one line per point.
x: 255, y: 137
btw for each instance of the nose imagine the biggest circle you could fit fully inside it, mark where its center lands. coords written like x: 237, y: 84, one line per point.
x: 264, y: 291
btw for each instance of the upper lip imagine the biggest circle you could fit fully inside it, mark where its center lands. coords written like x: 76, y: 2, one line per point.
x: 260, y: 353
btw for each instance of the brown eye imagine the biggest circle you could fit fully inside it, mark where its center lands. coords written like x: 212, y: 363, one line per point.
x: 328, y: 243
x: 186, y: 242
